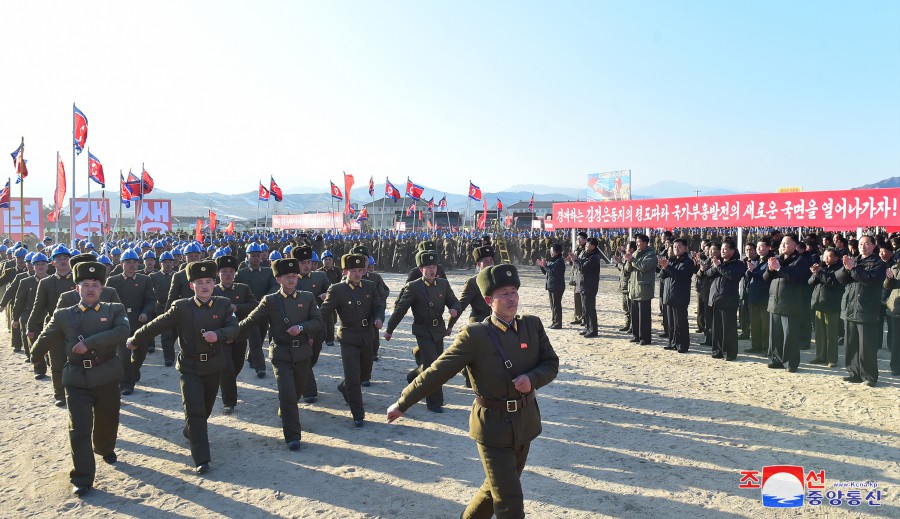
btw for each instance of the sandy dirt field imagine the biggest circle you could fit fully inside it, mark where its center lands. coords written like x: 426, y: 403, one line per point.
x: 629, y: 431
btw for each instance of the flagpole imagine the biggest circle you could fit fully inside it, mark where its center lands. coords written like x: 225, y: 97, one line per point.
x: 141, y: 202
x: 74, y: 192
x: 257, y: 202
x: 9, y: 210
x: 22, y: 192
x: 468, y: 198
x: 403, y: 206
x: 90, y: 209
x: 447, y: 212
x: 120, y: 201
x: 54, y: 197
x: 266, y: 223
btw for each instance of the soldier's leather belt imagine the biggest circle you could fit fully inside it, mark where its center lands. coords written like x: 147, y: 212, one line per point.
x: 202, y: 357
x: 92, y: 362
x: 293, y: 343
x: 506, y: 405
x: 435, y: 322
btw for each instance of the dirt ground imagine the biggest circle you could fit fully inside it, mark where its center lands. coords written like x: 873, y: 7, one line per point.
x: 629, y: 431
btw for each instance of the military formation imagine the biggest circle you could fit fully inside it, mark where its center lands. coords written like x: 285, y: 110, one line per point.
x: 92, y: 314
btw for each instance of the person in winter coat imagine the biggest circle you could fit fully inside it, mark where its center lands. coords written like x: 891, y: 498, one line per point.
x: 892, y: 283
x: 642, y: 265
x: 726, y: 274
x: 826, y: 303
x: 590, y: 283
x: 788, y: 274
x: 676, y: 273
x: 555, y: 270
x: 758, y: 298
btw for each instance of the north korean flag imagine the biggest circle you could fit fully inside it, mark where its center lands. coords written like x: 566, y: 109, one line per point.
x: 95, y: 170
x: 372, y: 186
x: 531, y: 204
x: 409, y: 210
x: 146, y: 182
x: 4, y: 197
x: 442, y: 203
x: 263, y: 193
x: 499, y: 205
x: 275, y: 190
x: 79, y: 130
x: 133, y: 185
x: 124, y: 192
x: 336, y: 192
x: 391, y: 191
x: 413, y: 190
x: 363, y: 215
x: 431, y: 205
x: 474, y: 191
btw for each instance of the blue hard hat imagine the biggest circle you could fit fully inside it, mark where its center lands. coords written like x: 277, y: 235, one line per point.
x: 89, y: 245
x: 130, y: 254
x: 177, y: 251
x: 219, y: 253
x: 274, y: 255
x: 38, y: 257
x: 21, y: 252
x: 116, y: 251
x: 253, y: 247
x: 371, y: 260
x: 166, y: 256
x: 287, y: 250
x: 327, y: 254
x: 226, y: 249
x: 193, y: 247
x: 159, y: 244
x: 315, y: 257
x: 264, y: 247
x: 28, y: 257
x: 210, y: 248
x: 149, y: 254
x: 104, y: 259
x: 60, y: 250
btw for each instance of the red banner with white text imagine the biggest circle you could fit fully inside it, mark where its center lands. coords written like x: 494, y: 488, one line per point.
x: 11, y: 219
x: 845, y: 209
x: 154, y: 215
x: 89, y: 218
x: 311, y: 221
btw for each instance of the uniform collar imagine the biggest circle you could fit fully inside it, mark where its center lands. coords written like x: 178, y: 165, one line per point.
x: 67, y: 276
x: 292, y: 295
x: 354, y: 286
x: 429, y: 283
x: 503, y: 326
x: 84, y: 308
x: 304, y: 276
x: 201, y: 304
x: 223, y: 287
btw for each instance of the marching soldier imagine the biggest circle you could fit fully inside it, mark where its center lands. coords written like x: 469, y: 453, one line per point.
x: 48, y: 291
x: 416, y: 273
x: 295, y: 325
x: 427, y: 296
x: 316, y: 283
x: 471, y: 294
x: 137, y: 295
x: 384, y: 291
x: 23, y: 303
x: 242, y: 303
x: 508, y: 358
x: 203, y: 324
x: 162, y: 281
x: 334, y: 276
x: 181, y: 287
x: 357, y: 304
x: 8, y: 302
x: 261, y: 282
x: 91, y: 331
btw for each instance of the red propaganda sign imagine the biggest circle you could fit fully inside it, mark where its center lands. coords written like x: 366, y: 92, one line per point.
x: 154, y: 216
x: 11, y: 219
x: 848, y: 208
x: 89, y: 218
x: 311, y: 221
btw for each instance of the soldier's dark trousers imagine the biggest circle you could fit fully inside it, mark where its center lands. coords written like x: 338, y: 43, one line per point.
x: 256, y: 356
x: 17, y: 335
x: 724, y: 332
x: 744, y: 317
x: 234, y: 353
x: 626, y: 307
x: 895, y: 346
x: 640, y: 320
x: 555, y: 308
x: 93, y: 418
x: 291, y: 379
x: 501, y: 493
x: 589, y: 311
x: 330, y: 321
x: 665, y: 319
x: 376, y: 344
x: 862, y: 342
x: 827, y: 336
x: 679, y: 329
x: 356, y: 359
x: 701, y: 313
x: 784, y: 340
x: 167, y: 338
x: 759, y: 327
x: 429, y: 350
x: 578, y: 310
x: 26, y: 342
x: 41, y: 367
x: 310, y: 388
x: 198, y: 394
x: 132, y: 360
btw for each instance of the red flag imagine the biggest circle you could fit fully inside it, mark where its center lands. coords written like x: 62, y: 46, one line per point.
x: 147, y: 183
x: 95, y: 170
x: 414, y: 190
x: 275, y: 190
x: 351, y: 211
x: 21, y: 167
x: 531, y: 203
x: 230, y: 228
x: 499, y: 205
x: 482, y: 220
x: 4, y: 197
x: 409, y: 209
x: 59, y: 196
x: 420, y: 215
x: 431, y: 205
x: 429, y: 224
x: 336, y: 192
x: 124, y: 193
x: 372, y: 187
x: 79, y: 129
x: 508, y: 220
x: 263, y: 193
x: 348, y: 184
x: 474, y: 191
x: 198, y: 231
x: 443, y: 202
x: 212, y: 222
x: 363, y: 215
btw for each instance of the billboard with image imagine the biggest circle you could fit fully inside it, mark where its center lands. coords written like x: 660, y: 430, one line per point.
x: 612, y: 185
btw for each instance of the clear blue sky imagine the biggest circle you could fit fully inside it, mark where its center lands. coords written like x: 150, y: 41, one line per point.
x: 213, y: 95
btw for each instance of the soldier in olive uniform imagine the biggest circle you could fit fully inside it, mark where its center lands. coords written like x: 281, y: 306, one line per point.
x: 12, y: 269
x: 357, y: 304
x: 162, y: 282
x: 416, y: 272
x: 334, y: 276
x: 427, y: 296
x: 317, y: 283
x: 181, y: 286
x: 24, y: 301
x: 508, y: 357
x: 45, y: 300
x: 381, y: 289
x: 295, y: 325
x: 242, y: 303
x: 471, y: 294
x: 136, y: 292
x: 261, y: 282
x: 90, y: 331
x: 71, y: 298
x: 203, y: 324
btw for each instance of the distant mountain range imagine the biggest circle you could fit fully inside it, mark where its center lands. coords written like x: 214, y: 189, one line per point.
x: 243, y: 206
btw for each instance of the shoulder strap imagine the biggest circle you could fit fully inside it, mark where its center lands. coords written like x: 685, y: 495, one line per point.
x: 495, y: 338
